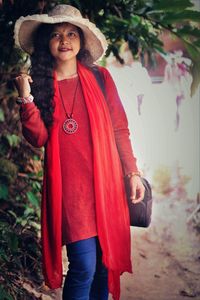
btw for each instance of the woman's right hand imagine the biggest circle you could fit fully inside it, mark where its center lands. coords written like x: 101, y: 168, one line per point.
x: 23, y: 84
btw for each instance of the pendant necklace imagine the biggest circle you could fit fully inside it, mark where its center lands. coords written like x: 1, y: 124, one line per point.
x: 70, y: 125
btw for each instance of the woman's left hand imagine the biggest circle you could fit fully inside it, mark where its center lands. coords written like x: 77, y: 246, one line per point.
x: 136, y: 189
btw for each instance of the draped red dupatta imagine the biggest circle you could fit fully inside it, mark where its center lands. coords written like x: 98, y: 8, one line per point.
x: 111, y: 208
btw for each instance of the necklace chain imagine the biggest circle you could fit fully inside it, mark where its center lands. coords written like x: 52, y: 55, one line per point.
x: 69, y: 115
x: 70, y: 125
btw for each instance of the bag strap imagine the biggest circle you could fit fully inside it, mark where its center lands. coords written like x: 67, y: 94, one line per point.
x: 99, y: 78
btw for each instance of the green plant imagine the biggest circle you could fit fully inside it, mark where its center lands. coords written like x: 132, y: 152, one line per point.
x: 19, y: 253
x: 20, y: 187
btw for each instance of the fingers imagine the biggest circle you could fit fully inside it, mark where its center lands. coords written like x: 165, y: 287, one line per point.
x: 137, y: 200
x: 30, y: 79
x: 137, y: 193
x: 22, y: 83
x: 23, y: 76
x: 133, y: 193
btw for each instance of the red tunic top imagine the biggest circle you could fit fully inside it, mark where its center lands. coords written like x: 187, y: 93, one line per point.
x: 78, y: 213
x: 76, y: 154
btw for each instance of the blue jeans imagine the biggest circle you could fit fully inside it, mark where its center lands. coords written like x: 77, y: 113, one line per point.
x: 87, y: 278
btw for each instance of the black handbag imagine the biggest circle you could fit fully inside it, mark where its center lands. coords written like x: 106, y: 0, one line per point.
x: 140, y: 213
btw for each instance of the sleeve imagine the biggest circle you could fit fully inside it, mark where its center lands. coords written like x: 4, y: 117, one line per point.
x: 120, y: 125
x: 33, y: 127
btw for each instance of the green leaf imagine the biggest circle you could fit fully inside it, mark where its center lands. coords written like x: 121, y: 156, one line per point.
x: 159, y: 49
x: 35, y: 225
x: 3, y: 255
x: 187, y: 15
x: 32, y: 198
x: 13, y: 140
x: 36, y: 157
x: 13, y: 241
x: 2, y: 117
x: 13, y: 214
x: 4, y: 295
x: 116, y: 21
x: 3, y: 192
x: 135, y: 20
x: 22, y: 222
x: 197, y: 43
x: 175, y: 5
x: 195, y: 71
x: 40, y: 173
x: 193, y: 51
x: 36, y: 186
x: 187, y: 30
x: 28, y: 211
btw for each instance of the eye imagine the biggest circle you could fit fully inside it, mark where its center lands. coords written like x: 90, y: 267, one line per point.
x: 55, y: 35
x: 72, y: 35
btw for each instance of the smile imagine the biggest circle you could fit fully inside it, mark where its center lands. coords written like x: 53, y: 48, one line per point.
x: 64, y: 49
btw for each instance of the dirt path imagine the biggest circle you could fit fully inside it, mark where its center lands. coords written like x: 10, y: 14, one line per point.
x: 166, y: 257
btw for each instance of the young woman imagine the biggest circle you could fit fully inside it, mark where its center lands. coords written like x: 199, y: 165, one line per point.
x: 87, y: 153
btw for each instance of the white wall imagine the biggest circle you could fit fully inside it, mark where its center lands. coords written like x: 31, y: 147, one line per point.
x: 154, y: 138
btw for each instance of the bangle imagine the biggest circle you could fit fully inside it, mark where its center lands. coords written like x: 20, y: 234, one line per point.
x: 25, y: 100
x: 130, y: 175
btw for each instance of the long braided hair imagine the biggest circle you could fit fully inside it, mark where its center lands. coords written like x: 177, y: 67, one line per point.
x: 41, y: 71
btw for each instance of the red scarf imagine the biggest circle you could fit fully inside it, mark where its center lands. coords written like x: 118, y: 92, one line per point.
x: 111, y: 207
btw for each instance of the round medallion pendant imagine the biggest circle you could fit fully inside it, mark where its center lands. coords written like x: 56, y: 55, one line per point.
x: 70, y: 126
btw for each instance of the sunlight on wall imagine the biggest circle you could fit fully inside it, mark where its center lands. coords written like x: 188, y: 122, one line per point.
x: 152, y: 122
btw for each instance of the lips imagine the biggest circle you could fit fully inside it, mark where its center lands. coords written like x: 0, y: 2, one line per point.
x: 64, y: 49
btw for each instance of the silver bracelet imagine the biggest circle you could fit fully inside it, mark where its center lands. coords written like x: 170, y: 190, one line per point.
x: 25, y: 100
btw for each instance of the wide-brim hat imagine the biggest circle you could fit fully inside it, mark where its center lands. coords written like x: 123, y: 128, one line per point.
x: 25, y: 28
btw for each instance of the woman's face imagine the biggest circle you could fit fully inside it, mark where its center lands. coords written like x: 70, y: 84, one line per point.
x: 64, y: 42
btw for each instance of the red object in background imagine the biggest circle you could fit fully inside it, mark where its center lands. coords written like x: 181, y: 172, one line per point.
x: 171, y: 44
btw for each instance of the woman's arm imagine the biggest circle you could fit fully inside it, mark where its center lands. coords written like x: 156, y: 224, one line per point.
x: 33, y: 127
x: 120, y: 125
x: 121, y: 131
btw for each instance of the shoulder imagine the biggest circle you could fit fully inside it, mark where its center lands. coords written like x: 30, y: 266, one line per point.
x: 103, y: 70
x: 105, y: 74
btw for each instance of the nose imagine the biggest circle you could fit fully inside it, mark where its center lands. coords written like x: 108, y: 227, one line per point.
x: 64, y: 39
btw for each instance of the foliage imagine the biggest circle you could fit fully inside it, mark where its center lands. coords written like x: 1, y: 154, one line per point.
x: 20, y: 185
x: 19, y: 251
x: 19, y: 229
x: 139, y: 23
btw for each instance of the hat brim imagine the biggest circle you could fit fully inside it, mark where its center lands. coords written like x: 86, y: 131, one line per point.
x: 25, y: 28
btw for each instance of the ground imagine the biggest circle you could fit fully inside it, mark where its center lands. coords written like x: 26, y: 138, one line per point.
x: 166, y: 256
